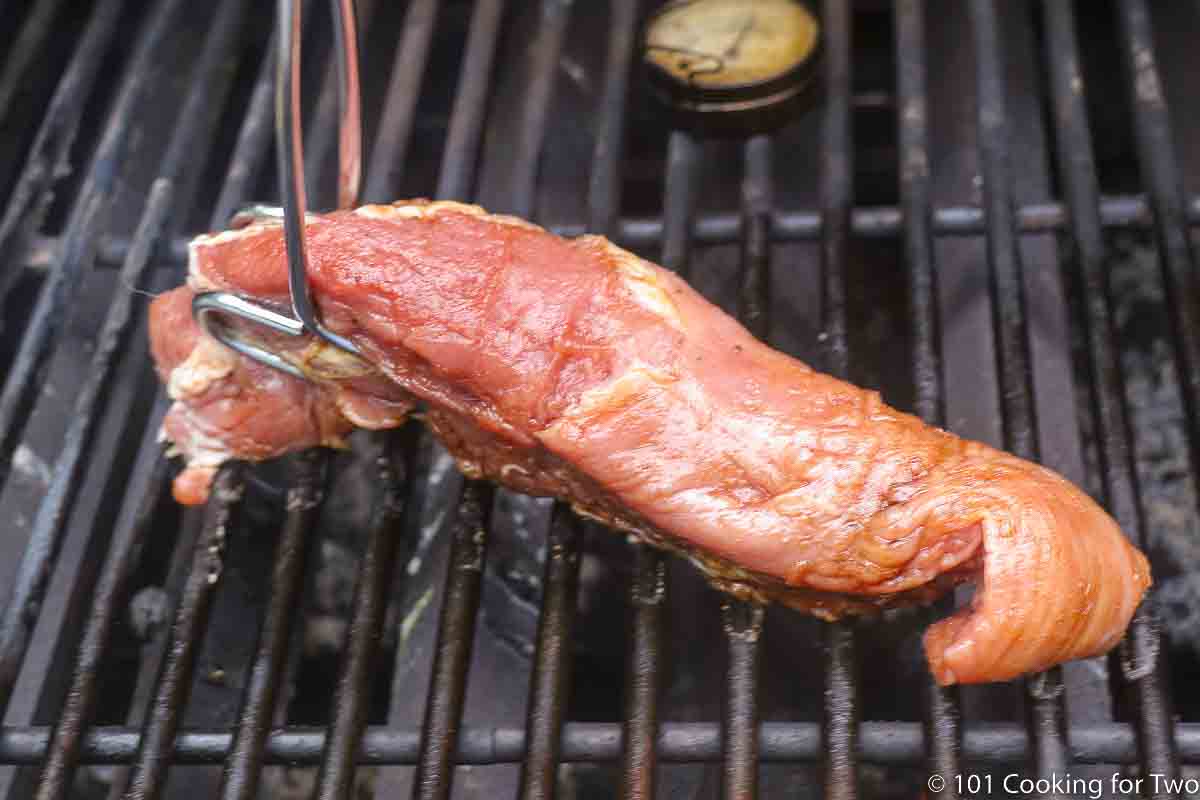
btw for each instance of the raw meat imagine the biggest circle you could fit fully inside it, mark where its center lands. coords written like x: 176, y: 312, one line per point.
x: 574, y: 369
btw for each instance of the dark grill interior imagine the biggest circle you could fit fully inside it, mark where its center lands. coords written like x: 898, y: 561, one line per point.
x: 986, y: 216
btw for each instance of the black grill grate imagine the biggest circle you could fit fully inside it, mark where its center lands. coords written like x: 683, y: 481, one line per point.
x: 78, y: 589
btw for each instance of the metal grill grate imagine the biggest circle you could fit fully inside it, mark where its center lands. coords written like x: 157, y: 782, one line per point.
x: 103, y: 497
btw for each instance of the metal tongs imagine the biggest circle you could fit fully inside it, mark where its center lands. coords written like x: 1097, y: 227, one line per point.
x: 208, y: 307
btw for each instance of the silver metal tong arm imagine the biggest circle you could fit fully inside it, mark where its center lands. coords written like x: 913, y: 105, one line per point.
x: 209, y: 306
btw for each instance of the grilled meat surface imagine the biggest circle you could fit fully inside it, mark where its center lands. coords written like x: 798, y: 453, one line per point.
x: 575, y: 369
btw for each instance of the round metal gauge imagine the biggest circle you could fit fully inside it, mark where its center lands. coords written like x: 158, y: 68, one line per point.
x: 732, y: 65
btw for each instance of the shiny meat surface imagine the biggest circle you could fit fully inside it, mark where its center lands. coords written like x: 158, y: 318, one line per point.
x: 577, y: 370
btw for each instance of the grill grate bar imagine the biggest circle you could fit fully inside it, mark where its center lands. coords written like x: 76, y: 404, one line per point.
x: 200, y: 113
x: 349, y: 717
x: 52, y: 145
x: 604, y: 186
x: 1044, y: 692
x: 156, y: 218
x: 136, y: 517
x: 679, y: 202
x: 244, y: 765
x: 73, y: 258
x: 41, y: 550
x: 1004, y: 257
x: 396, y: 124
x: 456, y: 625
x: 840, y: 711
x: 743, y: 621
x: 34, y: 568
x: 248, y: 156
x: 386, y: 164
x: 80, y: 701
x: 551, y: 680
x: 647, y: 587
x: 1155, y: 732
x: 882, y: 222
x: 518, y: 174
x: 1141, y: 667
x: 336, y: 777
x: 840, y: 740
x: 153, y: 757
x: 639, y: 756
x: 942, y: 710
x: 254, y: 138
x: 33, y: 33
x: 457, y: 175
x: 468, y: 545
x: 757, y: 198
x: 915, y: 202
x: 837, y: 185
x: 893, y: 743
x: 1160, y: 171
x: 840, y: 725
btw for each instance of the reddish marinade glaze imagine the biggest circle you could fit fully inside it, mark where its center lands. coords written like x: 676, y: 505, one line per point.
x: 574, y: 369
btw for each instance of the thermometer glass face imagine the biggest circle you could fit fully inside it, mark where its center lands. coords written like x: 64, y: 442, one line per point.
x: 720, y: 44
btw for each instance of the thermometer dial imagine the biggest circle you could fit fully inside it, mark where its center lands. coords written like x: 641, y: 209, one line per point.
x: 735, y: 63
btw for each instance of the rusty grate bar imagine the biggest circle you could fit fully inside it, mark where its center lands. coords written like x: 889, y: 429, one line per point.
x: 551, y: 679
x: 244, y: 765
x: 439, y: 738
x: 639, y: 754
x: 743, y: 625
x: 335, y: 781
x: 153, y: 756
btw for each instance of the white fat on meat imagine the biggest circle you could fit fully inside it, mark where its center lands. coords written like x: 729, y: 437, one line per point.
x: 208, y: 363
